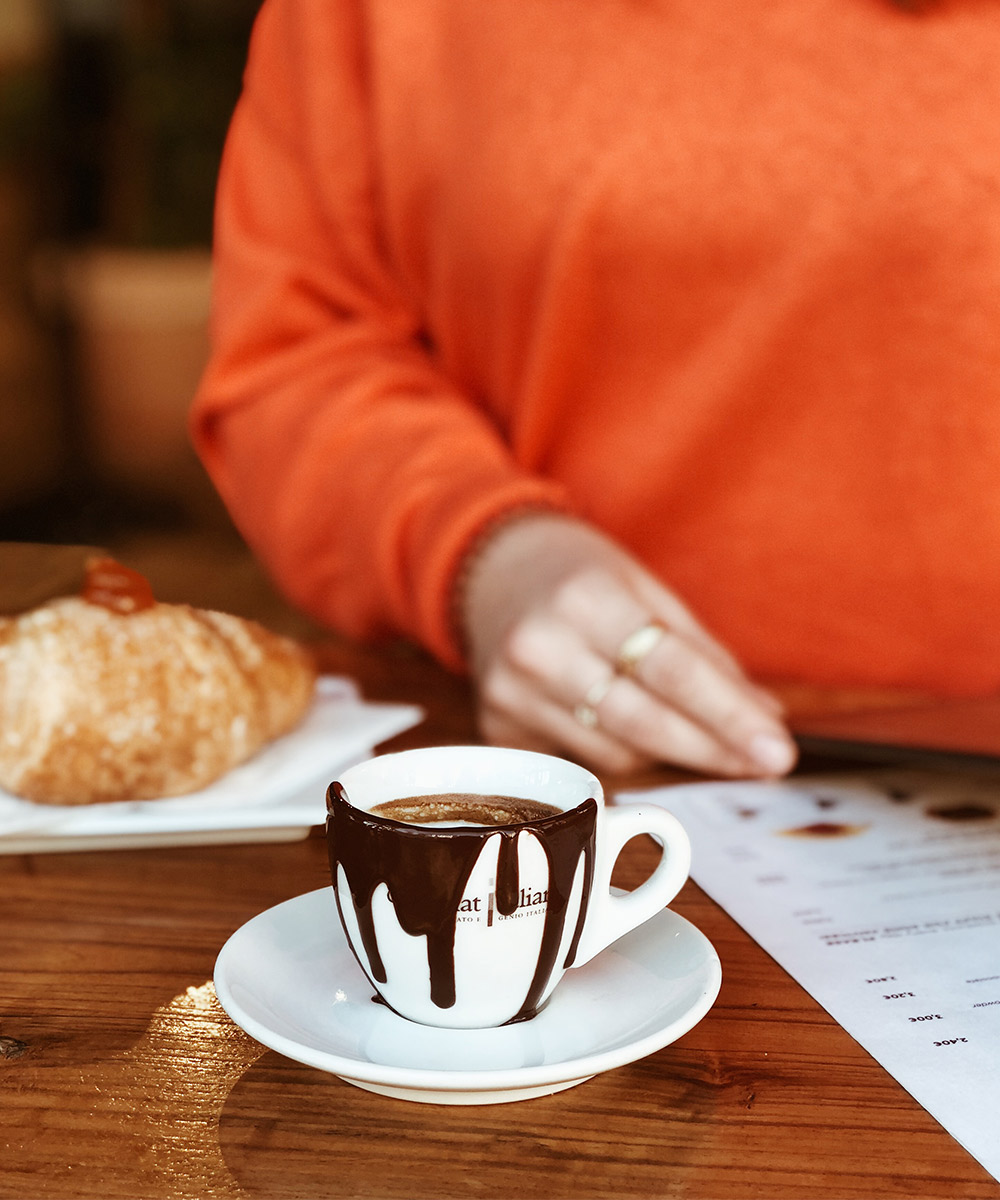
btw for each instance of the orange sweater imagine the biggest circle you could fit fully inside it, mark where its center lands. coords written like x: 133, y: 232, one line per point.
x: 723, y: 279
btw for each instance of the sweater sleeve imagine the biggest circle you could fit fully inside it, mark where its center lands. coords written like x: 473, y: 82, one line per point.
x: 358, y: 473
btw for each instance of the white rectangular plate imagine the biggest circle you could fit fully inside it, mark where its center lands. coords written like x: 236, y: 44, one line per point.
x: 279, y: 795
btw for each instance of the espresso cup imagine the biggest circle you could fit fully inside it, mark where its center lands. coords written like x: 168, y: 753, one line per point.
x: 469, y: 878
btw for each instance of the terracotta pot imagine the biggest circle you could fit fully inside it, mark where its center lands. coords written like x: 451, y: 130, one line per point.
x: 32, y: 418
x: 140, y: 323
x: 31, y: 429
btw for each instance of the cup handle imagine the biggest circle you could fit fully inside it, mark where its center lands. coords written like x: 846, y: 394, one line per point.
x: 610, y: 916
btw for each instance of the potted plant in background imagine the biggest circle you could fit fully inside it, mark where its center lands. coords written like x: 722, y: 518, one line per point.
x: 32, y: 435
x: 112, y: 119
x: 163, y: 77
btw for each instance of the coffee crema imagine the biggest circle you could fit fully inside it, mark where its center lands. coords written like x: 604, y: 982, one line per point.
x: 467, y: 808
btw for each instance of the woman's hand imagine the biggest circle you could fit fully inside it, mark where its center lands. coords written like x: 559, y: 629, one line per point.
x: 576, y: 649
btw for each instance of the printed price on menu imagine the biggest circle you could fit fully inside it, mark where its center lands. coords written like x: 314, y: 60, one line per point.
x: 881, y: 895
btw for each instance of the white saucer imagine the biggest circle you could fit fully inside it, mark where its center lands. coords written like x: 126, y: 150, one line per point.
x: 290, y: 980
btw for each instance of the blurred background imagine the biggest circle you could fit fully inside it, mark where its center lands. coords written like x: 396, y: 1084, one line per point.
x: 112, y: 119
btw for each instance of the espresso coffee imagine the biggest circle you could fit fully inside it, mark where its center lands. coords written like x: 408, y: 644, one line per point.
x: 466, y: 808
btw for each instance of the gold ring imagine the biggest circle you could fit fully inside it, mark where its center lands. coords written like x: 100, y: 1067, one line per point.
x: 637, y: 645
x: 586, y: 711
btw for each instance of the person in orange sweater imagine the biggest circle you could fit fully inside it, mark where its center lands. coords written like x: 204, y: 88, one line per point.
x: 542, y: 325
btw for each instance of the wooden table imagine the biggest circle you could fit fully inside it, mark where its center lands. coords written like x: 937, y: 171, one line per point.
x: 123, y: 1078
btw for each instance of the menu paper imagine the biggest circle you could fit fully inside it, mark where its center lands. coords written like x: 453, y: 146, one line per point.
x: 880, y: 894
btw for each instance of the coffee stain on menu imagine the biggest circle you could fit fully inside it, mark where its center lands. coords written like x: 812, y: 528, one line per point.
x: 962, y: 811
x: 426, y: 871
x: 824, y: 829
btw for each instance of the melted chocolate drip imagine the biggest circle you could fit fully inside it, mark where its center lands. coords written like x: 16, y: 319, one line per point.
x: 563, y: 843
x: 426, y: 870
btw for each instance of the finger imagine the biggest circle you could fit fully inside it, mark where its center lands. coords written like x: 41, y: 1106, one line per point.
x: 665, y: 606
x: 655, y: 728
x: 538, y: 683
x: 553, y: 680
x: 550, y: 729
x: 698, y: 714
x: 730, y: 710
x: 643, y: 642
x: 632, y: 729
x: 606, y: 609
x: 552, y: 657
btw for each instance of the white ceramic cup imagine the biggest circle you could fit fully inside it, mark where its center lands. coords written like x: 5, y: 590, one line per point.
x: 465, y: 925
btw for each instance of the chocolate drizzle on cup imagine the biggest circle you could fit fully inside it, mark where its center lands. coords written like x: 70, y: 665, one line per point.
x: 426, y: 870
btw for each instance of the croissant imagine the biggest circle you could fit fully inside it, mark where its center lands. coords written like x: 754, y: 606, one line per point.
x: 111, y: 695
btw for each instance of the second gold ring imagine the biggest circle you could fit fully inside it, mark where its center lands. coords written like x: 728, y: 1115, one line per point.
x: 586, y: 711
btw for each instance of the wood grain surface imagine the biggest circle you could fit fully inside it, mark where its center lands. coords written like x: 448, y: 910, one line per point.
x: 121, y: 1078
